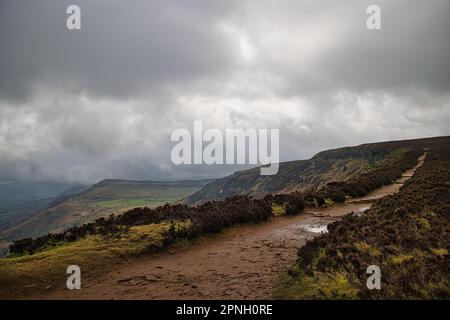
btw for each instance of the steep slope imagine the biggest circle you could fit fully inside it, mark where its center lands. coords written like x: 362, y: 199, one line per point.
x: 327, y: 166
x: 102, y: 199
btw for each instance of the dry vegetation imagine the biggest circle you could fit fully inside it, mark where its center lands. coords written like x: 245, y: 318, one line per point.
x: 406, y: 235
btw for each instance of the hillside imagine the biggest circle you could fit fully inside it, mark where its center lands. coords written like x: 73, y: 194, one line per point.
x: 405, y: 191
x: 331, y: 165
x: 102, y: 199
x: 405, y: 234
x: 21, y: 200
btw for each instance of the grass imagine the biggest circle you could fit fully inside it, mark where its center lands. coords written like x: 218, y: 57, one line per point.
x: 423, y: 222
x: 401, y: 258
x: 134, y: 202
x: 298, y: 285
x: 94, y: 254
x: 343, y: 169
x: 364, y: 247
x: 329, y: 202
x: 136, y: 192
x: 278, y: 210
x: 440, y: 252
x: 135, y: 197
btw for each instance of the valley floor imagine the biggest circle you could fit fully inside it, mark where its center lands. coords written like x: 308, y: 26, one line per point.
x: 243, y: 262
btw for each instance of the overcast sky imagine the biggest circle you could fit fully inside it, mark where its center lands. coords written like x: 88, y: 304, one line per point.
x: 101, y: 102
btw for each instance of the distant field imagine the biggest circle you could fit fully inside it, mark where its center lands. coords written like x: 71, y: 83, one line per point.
x: 152, y: 198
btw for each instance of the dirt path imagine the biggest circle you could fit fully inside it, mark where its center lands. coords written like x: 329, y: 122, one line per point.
x: 243, y: 262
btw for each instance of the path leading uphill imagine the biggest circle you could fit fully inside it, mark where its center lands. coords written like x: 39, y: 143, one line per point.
x: 243, y: 262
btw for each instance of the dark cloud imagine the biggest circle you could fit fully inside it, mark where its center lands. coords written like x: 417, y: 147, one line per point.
x: 123, y: 49
x: 101, y: 102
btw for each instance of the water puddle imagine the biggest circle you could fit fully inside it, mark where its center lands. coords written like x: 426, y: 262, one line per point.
x: 316, y: 228
x: 363, y: 209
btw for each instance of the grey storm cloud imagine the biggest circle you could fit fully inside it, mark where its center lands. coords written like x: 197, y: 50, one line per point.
x: 122, y: 49
x: 101, y: 102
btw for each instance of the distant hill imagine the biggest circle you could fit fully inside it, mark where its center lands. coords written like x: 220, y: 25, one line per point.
x: 18, y: 200
x: 102, y: 199
x: 327, y: 166
x: 15, y: 193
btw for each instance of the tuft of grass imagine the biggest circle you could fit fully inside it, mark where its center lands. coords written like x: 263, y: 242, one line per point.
x: 278, y: 210
x: 401, y: 258
x: 329, y: 202
x: 364, y: 247
x: 318, y: 286
x: 423, y: 222
x: 430, y: 213
x: 440, y: 252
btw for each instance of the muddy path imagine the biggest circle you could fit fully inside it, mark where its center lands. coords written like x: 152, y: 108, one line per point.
x: 243, y: 262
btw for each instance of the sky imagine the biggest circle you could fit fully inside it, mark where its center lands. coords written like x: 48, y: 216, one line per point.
x: 83, y: 105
